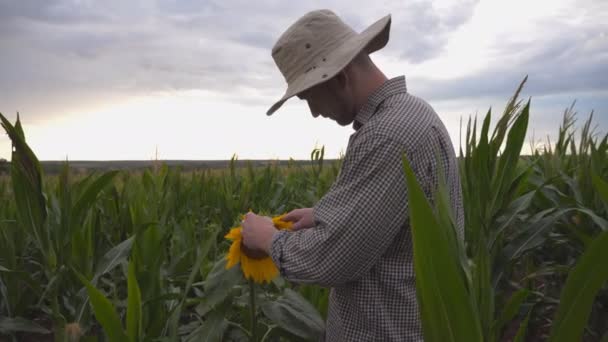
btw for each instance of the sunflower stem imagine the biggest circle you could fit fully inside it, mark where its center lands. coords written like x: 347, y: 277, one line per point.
x: 254, y: 321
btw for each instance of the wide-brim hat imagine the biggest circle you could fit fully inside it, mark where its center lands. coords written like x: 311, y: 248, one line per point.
x: 318, y: 46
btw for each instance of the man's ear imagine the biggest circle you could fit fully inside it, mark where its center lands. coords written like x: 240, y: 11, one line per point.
x: 342, y: 79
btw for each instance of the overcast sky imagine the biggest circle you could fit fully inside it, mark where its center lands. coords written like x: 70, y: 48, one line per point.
x: 114, y: 79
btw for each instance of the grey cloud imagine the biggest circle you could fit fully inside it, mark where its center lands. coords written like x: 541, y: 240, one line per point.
x: 573, y: 60
x: 420, y: 31
x: 458, y: 14
x: 48, y: 11
x: 189, y: 7
x: 257, y: 39
x: 62, y: 52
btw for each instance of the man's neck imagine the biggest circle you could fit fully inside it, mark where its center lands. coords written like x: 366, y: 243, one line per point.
x: 368, y: 83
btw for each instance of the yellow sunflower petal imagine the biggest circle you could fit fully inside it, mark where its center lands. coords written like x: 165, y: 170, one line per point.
x: 260, y: 270
x: 233, y: 234
x: 280, y: 224
x: 267, y: 269
x: 234, y: 254
x: 246, y: 266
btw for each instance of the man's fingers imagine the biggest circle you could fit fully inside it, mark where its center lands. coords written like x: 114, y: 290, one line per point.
x: 291, y: 216
x: 296, y: 226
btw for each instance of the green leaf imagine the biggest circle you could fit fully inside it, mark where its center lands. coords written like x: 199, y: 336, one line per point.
x: 134, y: 315
x: 523, y: 328
x: 104, y: 311
x: 218, y: 285
x: 601, y: 187
x: 602, y: 223
x: 482, y: 286
x: 505, y: 171
x: 511, y: 309
x: 293, y: 313
x: 10, y: 325
x: 534, y: 235
x: 84, y: 203
x: 202, y: 256
x: 212, y: 329
x: 114, y: 257
x: 446, y: 309
x: 515, y: 208
x: 26, y: 177
x: 582, y: 285
x: 25, y: 277
x: 65, y: 202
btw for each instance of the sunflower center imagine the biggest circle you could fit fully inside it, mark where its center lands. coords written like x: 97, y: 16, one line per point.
x: 253, y: 253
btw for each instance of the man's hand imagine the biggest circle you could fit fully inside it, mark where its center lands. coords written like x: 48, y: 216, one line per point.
x: 257, y: 232
x: 301, y: 218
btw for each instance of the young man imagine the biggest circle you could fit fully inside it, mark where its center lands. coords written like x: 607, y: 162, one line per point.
x: 357, y: 238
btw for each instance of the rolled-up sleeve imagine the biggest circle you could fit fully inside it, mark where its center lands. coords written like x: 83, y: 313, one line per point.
x: 355, y: 222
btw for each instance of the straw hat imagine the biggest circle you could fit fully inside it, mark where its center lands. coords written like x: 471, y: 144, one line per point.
x: 318, y: 46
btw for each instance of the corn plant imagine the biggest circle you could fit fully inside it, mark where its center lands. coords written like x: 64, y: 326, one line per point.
x: 458, y: 283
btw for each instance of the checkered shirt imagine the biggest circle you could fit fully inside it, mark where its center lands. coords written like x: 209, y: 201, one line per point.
x: 361, y: 243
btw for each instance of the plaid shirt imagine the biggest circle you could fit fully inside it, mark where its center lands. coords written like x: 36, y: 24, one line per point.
x: 361, y: 244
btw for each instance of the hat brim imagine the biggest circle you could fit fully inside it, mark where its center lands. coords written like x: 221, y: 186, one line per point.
x: 374, y: 38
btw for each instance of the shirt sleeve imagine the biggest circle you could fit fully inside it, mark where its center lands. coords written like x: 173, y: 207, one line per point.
x: 355, y: 222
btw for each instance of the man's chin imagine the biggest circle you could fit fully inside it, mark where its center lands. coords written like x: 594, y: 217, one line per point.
x: 340, y: 120
x: 344, y: 122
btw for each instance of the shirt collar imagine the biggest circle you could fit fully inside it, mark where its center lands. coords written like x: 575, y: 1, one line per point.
x: 387, y: 89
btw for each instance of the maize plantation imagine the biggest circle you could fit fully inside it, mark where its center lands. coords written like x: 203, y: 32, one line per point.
x: 140, y: 256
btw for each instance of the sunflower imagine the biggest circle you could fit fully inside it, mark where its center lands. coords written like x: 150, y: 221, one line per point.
x: 259, y: 269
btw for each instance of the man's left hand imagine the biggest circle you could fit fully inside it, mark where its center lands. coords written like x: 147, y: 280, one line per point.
x: 257, y: 232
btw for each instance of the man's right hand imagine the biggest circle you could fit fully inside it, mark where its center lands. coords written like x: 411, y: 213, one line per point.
x: 301, y: 218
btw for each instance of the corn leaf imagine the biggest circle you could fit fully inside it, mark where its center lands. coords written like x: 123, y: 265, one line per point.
x: 104, y: 311
x: 26, y: 175
x: 10, y: 325
x: 601, y: 187
x: 446, y: 309
x: 87, y: 199
x: 511, y: 309
x: 115, y: 256
x: 218, y: 284
x: 523, y: 329
x: 202, y: 252
x: 134, y: 315
x: 296, y: 315
x: 599, y: 221
x: 212, y: 329
x: 505, y: 171
x: 582, y: 285
x: 533, y: 236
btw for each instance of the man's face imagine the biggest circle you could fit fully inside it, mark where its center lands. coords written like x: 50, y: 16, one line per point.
x: 330, y: 99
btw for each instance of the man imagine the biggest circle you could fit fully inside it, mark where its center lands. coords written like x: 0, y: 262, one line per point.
x: 357, y: 238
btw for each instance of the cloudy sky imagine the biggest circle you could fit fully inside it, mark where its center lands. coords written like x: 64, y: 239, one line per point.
x: 114, y: 80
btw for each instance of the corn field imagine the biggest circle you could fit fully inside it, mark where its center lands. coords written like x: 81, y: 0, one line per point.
x: 140, y: 256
